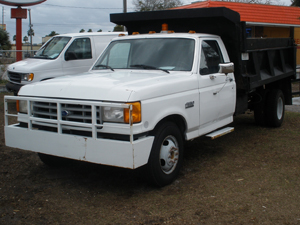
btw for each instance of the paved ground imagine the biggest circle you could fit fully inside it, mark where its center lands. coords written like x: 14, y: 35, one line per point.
x: 296, y: 101
x: 295, y: 107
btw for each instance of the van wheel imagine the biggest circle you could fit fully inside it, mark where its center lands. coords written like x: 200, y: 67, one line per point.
x: 275, y: 107
x: 53, y: 161
x: 166, y: 155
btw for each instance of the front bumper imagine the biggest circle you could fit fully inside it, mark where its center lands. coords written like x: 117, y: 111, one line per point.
x: 102, y: 151
x: 79, y: 136
x: 13, y: 87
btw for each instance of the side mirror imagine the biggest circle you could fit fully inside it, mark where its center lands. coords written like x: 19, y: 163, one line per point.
x: 70, y: 56
x: 226, y: 68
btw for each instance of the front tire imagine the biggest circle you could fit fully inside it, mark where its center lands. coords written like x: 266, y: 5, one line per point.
x: 53, y: 161
x: 166, y: 155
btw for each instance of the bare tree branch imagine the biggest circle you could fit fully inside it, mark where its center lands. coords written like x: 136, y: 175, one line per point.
x: 153, y: 5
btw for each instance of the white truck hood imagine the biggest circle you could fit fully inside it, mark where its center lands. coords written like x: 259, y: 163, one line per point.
x: 119, y: 86
x: 30, y: 65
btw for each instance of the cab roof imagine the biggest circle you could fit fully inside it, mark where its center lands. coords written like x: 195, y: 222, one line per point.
x: 166, y: 35
x: 90, y: 34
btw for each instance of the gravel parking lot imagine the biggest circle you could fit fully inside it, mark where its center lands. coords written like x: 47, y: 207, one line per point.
x: 250, y: 176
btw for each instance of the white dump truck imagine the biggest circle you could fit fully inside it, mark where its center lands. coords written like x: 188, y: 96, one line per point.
x: 151, y: 91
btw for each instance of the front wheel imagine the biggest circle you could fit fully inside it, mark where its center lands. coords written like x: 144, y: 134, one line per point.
x: 166, y: 155
x: 53, y: 161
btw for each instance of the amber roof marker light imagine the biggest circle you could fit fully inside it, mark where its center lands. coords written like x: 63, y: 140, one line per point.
x: 164, y: 28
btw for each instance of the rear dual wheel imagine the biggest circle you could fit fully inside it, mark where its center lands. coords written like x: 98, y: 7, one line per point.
x: 271, y: 111
x: 275, y: 107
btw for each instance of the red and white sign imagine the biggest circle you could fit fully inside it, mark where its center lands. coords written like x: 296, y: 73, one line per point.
x: 21, y: 2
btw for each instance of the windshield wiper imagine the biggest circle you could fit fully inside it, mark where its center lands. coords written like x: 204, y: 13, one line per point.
x: 105, y: 66
x: 42, y: 57
x: 148, y: 67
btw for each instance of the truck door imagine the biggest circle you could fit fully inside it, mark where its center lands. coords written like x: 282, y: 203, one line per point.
x: 217, y: 90
x: 78, y: 57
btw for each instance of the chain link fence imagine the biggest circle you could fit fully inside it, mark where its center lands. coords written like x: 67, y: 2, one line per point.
x: 9, y: 56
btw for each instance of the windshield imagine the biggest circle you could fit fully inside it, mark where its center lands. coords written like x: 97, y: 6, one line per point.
x: 166, y: 54
x: 53, y: 48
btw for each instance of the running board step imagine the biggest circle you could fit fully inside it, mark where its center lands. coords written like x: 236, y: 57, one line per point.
x: 220, y: 133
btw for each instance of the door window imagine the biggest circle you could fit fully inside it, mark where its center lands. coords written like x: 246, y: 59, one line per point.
x: 79, y: 49
x: 211, y: 57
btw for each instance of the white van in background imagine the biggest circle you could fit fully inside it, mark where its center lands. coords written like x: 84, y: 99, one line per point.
x: 64, y: 54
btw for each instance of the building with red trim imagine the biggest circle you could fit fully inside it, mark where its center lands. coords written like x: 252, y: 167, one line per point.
x: 262, y: 20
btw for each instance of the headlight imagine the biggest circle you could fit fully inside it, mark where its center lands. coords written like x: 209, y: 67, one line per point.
x: 22, y: 106
x: 113, y: 114
x: 27, y: 77
x: 120, y: 115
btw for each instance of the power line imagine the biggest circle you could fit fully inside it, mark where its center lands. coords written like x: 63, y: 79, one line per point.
x: 65, y: 24
x: 79, y: 7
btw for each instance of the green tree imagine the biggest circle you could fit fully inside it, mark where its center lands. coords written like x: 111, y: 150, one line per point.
x: 14, y: 37
x: 100, y: 30
x: 30, y: 32
x: 153, y: 5
x: 53, y: 33
x: 82, y: 31
x: 25, y: 39
x: 4, y: 40
x: 90, y: 30
x: 118, y: 28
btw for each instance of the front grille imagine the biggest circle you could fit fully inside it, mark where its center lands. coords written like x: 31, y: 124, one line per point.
x: 14, y: 77
x: 72, y: 117
x: 70, y: 112
x: 44, y: 110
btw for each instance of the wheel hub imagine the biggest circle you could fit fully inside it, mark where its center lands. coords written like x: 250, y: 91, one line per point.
x: 279, y: 108
x: 169, y: 154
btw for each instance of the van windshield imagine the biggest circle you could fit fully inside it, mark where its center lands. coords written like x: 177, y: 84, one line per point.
x: 53, y: 48
x: 166, y: 54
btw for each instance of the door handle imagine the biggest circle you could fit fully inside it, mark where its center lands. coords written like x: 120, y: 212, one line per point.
x: 229, y: 79
x: 212, y: 77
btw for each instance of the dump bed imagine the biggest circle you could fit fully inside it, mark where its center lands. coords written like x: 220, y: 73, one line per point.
x: 258, y: 61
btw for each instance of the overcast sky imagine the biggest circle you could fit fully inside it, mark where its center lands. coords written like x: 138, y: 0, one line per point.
x: 70, y: 16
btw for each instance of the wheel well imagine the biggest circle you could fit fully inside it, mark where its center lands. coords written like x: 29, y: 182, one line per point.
x: 260, y: 94
x: 178, y: 120
x: 286, y: 88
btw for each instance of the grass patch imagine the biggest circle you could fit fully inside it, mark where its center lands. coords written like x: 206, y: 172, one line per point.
x: 3, y: 81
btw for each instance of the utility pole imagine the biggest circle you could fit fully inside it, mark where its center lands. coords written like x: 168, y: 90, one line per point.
x: 124, y: 6
x: 124, y: 10
x: 3, y: 16
x: 30, y: 30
